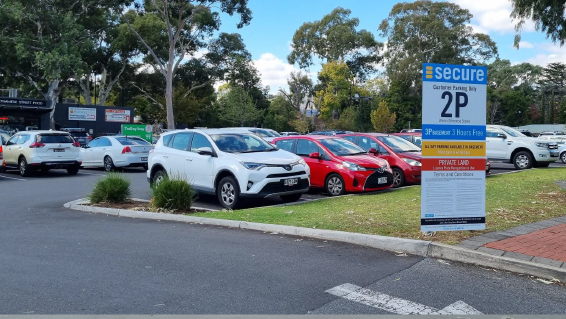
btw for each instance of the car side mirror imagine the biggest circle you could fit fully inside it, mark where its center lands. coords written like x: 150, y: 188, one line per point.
x: 373, y: 151
x: 315, y: 155
x: 503, y: 136
x: 205, y: 151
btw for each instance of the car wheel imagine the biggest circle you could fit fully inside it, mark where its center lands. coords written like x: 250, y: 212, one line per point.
x: 523, y: 160
x: 25, y: 169
x: 158, y: 177
x: 563, y: 157
x: 398, y: 178
x: 228, y: 193
x: 335, y: 185
x: 291, y: 198
x: 108, y: 164
x: 73, y: 170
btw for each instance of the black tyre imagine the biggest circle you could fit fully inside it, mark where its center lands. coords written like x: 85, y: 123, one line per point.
x: 563, y: 157
x: 108, y: 164
x: 543, y: 164
x: 25, y: 169
x: 398, y: 177
x: 291, y: 198
x: 228, y: 192
x: 523, y: 160
x: 334, y: 185
x: 158, y: 177
x: 45, y: 169
x: 73, y: 170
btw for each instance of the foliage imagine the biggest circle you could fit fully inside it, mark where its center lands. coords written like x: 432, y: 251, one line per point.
x: 547, y: 15
x: 237, y: 108
x: 280, y: 114
x: 173, y: 194
x: 333, y: 38
x: 347, y: 121
x: 300, y: 90
x: 382, y: 118
x: 112, y: 188
x: 300, y: 123
x: 334, y: 92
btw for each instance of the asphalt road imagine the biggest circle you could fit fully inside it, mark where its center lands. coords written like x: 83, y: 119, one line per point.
x: 58, y: 261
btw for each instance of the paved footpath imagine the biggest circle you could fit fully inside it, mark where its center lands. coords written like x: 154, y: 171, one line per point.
x: 542, y: 242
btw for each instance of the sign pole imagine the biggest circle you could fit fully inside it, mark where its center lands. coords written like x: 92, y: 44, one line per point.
x: 453, y: 147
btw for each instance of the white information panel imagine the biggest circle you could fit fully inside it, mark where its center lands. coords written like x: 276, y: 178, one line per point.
x: 453, y: 147
x: 82, y: 114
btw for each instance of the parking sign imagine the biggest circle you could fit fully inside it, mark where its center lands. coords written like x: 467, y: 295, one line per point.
x: 453, y: 147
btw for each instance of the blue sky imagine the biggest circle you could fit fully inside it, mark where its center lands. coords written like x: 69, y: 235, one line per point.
x: 274, y: 22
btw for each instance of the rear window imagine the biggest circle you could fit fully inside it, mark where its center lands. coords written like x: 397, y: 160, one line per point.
x: 54, y: 138
x: 131, y: 141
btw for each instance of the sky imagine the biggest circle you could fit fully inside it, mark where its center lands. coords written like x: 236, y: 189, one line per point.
x: 268, y: 36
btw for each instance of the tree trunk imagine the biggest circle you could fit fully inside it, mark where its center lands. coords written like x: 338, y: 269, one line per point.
x: 85, y: 91
x: 52, y: 95
x: 169, y: 99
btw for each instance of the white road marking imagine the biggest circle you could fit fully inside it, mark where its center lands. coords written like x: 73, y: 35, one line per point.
x: 18, y: 179
x: 397, y: 305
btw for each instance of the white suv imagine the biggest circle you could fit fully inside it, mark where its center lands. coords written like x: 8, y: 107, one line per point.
x: 230, y: 164
x: 506, y: 144
x: 45, y: 150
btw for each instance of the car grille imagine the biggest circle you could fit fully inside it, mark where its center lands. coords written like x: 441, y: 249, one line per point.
x: 279, y: 187
x: 552, y: 146
x: 286, y: 174
x: 372, y: 180
x: 378, y: 169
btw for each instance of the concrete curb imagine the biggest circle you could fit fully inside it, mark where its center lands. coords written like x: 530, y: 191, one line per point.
x: 409, y: 246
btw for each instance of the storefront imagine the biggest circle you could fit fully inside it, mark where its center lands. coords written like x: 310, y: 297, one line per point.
x: 23, y: 114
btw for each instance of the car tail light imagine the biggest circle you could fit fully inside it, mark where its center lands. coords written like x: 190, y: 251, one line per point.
x: 126, y: 149
x: 36, y: 145
x: 77, y: 144
x: 1, y: 154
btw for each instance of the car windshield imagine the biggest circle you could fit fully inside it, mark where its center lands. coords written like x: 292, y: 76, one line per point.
x: 273, y: 133
x: 262, y: 133
x: 132, y: 141
x: 342, y: 147
x: 241, y: 143
x: 4, y: 138
x: 417, y: 140
x: 399, y: 145
x: 512, y: 132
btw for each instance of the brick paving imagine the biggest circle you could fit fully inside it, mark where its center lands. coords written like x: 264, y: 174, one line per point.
x: 547, y: 243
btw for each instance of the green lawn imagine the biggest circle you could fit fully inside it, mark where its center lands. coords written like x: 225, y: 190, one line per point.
x: 512, y: 200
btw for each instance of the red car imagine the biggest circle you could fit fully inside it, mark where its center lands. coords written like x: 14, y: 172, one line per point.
x: 413, y: 137
x: 403, y: 157
x: 338, y: 165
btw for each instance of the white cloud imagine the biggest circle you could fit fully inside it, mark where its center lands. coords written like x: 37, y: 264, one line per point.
x: 547, y: 53
x: 290, y: 45
x: 492, y: 15
x: 526, y: 45
x: 274, y: 71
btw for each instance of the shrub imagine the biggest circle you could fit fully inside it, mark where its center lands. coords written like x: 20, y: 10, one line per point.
x: 173, y: 194
x: 113, y: 188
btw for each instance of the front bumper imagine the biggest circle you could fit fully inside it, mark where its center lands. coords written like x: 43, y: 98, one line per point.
x: 546, y: 156
x: 365, y: 181
x: 270, y: 182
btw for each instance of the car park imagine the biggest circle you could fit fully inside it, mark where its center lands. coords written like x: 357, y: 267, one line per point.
x: 231, y: 164
x: 403, y: 157
x: 337, y: 165
x: 506, y: 144
x: 413, y: 137
x: 79, y: 134
x: 111, y: 152
x: 29, y: 151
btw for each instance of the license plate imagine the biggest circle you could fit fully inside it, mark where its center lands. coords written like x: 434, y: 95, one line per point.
x: 143, y: 159
x: 58, y: 150
x: 382, y: 180
x: 291, y: 182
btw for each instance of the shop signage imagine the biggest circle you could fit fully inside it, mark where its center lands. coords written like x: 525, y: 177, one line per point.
x: 82, y: 114
x: 117, y: 115
x: 453, y: 147
x: 140, y: 130
x: 22, y: 102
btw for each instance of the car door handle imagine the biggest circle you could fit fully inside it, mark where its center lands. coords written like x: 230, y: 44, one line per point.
x: 165, y: 156
x: 189, y: 159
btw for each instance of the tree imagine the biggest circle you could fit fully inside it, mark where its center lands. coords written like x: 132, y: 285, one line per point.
x: 242, y: 72
x: 237, y: 108
x: 383, y: 120
x: 548, y: 16
x: 433, y: 32
x: 300, y: 90
x: 333, y: 38
x: 300, y: 123
x: 173, y: 31
x: 347, y: 120
x: 280, y: 114
x: 335, y: 89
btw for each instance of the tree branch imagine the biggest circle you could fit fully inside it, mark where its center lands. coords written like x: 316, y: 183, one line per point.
x: 194, y: 87
x: 147, y: 94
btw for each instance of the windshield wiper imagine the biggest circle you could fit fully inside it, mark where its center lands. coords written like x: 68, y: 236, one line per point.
x: 359, y: 153
x: 410, y: 151
x: 258, y: 151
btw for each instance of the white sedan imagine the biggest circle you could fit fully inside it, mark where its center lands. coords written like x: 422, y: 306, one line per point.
x: 116, y: 151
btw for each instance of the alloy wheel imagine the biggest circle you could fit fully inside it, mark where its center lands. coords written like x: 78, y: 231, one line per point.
x: 396, y: 179
x: 23, y: 167
x: 335, y: 185
x: 563, y: 158
x: 228, y: 194
x: 522, y: 161
x: 107, y: 164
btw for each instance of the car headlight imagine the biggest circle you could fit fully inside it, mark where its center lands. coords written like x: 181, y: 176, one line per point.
x: 253, y: 166
x: 302, y: 162
x: 353, y: 167
x: 412, y: 162
x: 543, y: 145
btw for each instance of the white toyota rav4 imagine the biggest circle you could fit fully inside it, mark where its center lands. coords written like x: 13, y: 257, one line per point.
x: 230, y: 164
x: 509, y: 145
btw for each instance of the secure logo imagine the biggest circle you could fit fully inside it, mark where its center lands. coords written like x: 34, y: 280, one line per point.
x: 454, y: 73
